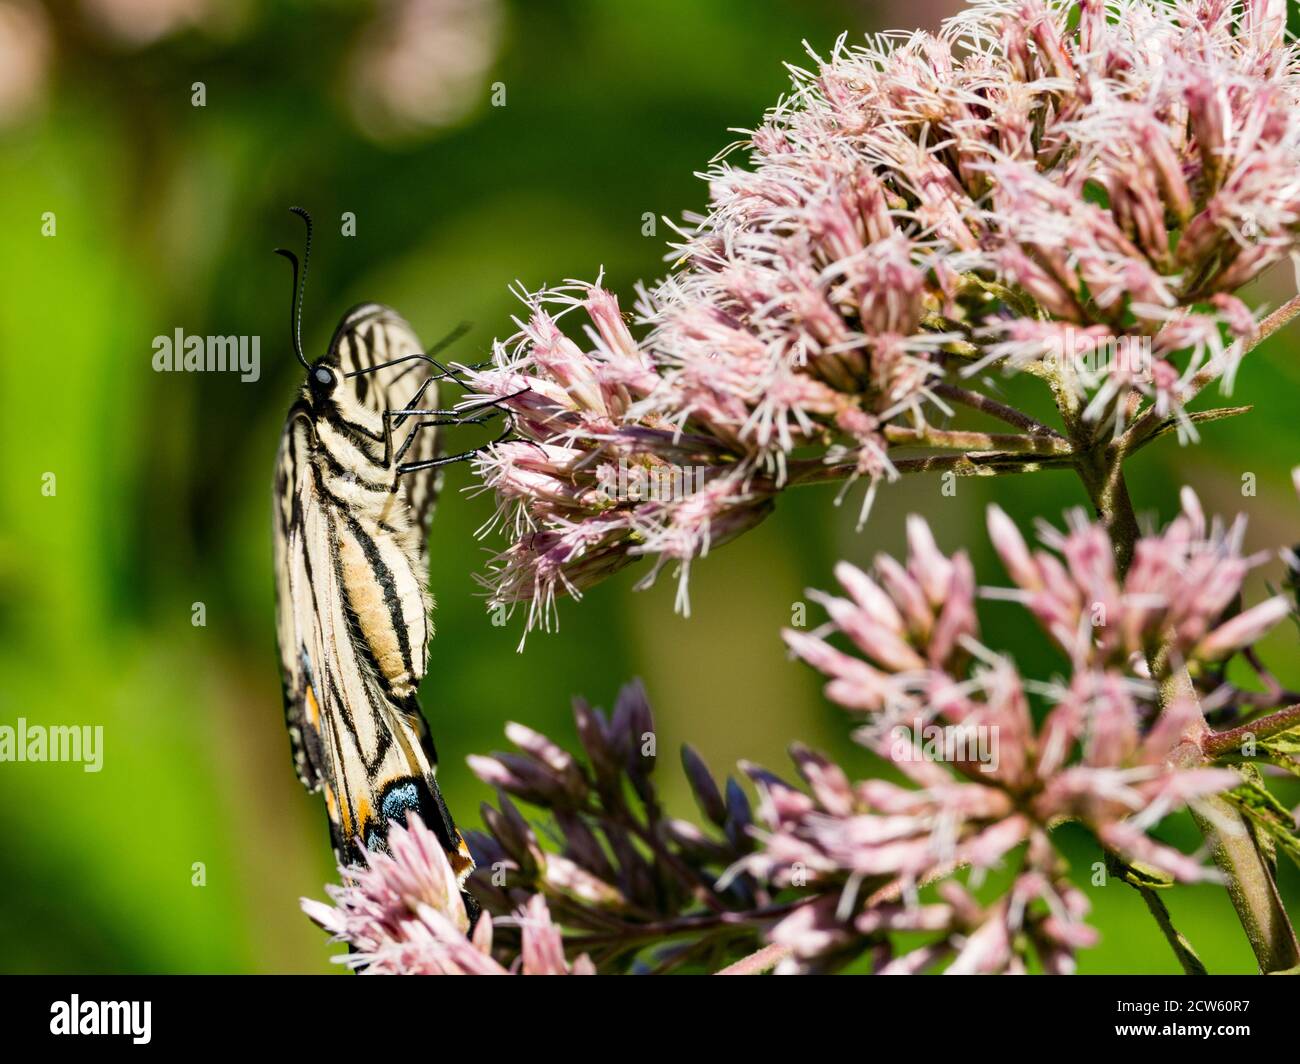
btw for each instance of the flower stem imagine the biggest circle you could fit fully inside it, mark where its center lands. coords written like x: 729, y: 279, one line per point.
x: 1187, y: 956
x: 1274, y: 724
x: 993, y: 408
x: 1106, y: 487
x: 1281, y: 317
x: 1145, y: 427
x: 965, y: 440
x: 968, y: 464
x: 764, y: 960
x: 692, y: 924
x: 1192, y: 964
x: 1249, y: 881
x: 1247, y: 872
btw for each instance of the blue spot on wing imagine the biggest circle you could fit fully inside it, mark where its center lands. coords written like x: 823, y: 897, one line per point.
x: 399, y: 798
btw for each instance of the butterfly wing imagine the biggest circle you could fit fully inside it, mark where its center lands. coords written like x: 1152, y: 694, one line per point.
x: 295, y: 602
x: 371, y: 335
x: 367, y: 749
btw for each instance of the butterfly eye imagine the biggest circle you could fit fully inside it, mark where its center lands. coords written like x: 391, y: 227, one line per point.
x: 323, y: 380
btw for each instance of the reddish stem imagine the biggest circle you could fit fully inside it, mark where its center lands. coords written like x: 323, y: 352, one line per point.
x: 763, y: 960
x: 1275, y: 723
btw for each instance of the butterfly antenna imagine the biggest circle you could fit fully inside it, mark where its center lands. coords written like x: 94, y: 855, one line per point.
x: 299, y: 284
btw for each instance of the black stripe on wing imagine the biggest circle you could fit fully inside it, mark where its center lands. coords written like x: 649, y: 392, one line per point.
x: 369, y: 335
x: 297, y: 682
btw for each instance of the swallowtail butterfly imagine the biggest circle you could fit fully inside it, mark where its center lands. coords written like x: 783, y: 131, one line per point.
x: 355, y: 485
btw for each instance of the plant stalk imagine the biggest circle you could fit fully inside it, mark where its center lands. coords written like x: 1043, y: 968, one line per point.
x: 1248, y: 877
x: 757, y: 963
x: 1226, y: 742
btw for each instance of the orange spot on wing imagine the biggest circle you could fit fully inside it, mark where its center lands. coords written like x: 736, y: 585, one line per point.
x: 461, y: 862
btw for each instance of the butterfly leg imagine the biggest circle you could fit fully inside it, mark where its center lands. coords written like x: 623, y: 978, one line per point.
x: 444, y: 417
x: 433, y: 463
x: 394, y: 419
x: 454, y: 419
x: 415, y: 401
x: 437, y: 422
x: 457, y: 414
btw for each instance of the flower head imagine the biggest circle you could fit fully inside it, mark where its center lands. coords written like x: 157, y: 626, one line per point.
x: 1178, y: 591
x: 1070, y: 188
x: 402, y: 914
x: 988, y: 777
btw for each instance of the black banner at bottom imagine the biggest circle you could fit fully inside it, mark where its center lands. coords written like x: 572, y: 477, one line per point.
x: 345, y: 1013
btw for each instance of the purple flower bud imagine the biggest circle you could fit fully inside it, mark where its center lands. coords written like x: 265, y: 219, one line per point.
x: 703, y: 786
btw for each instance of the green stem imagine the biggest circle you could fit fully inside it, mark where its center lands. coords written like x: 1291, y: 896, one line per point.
x: 1249, y: 881
x: 1246, y: 871
x: 1192, y: 964
x: 1187, y: 956
x: 1106, y: 487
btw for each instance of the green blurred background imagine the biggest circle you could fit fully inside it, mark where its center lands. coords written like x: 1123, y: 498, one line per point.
x: 166, y: 213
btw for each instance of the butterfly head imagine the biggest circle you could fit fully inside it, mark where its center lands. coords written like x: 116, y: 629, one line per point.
x: 322, y: 380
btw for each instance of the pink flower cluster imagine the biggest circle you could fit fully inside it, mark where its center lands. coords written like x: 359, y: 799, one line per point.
x: 403, y: 914
x: 984, y: 778
x: 1042, y: 179
x: 967, y: 938
x: 989, y: 765
x: 1175, y: 594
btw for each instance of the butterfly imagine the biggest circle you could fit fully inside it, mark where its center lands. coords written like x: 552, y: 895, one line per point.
x: 357, y: 476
